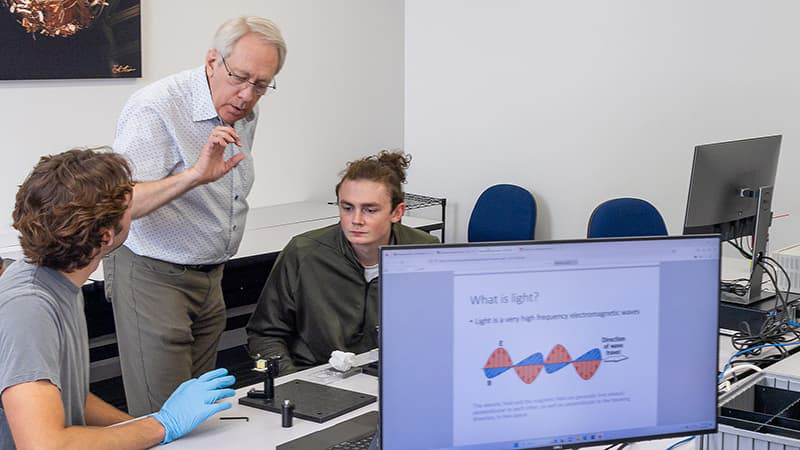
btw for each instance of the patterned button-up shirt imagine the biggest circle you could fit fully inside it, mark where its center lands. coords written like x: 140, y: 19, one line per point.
x: 161, y: 130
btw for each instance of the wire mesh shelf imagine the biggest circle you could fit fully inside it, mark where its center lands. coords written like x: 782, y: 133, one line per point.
x: 415, y: 201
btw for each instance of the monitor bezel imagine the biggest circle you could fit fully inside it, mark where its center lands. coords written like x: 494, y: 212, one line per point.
x: 648, y: 437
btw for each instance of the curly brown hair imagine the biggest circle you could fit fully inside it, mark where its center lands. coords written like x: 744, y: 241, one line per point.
x: 65, y: 203
x: 387, y: 167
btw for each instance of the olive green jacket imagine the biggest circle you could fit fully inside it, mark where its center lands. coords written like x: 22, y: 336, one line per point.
x: 317, y: 300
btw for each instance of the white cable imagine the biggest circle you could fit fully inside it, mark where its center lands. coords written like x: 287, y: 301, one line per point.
x: 726, y: 384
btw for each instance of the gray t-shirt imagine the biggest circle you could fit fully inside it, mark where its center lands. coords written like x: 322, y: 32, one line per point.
x: 43, y: 337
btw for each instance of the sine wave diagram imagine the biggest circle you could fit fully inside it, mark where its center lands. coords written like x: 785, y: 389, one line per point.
x: 529, y: 368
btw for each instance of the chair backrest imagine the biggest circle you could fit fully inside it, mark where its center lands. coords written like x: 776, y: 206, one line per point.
x: 622, y: 217
x: 503, y: 212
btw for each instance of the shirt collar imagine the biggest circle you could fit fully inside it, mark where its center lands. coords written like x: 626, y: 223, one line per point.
x: 347, y: 249
x: 202, y: 105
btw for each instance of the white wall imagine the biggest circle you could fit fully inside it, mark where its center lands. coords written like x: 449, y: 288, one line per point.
x: 340, y: 94
x: 581, y: 101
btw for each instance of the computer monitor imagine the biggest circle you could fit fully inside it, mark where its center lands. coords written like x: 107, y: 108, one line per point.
x: 730, y: 193
x: 548, y: 344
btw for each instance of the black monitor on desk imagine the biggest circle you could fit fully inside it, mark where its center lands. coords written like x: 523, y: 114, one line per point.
x: 730, y: 193
x: 548, y: 344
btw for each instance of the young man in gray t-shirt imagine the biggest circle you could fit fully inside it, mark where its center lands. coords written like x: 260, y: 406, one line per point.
x: 73, y: 209
x: 39, y: 307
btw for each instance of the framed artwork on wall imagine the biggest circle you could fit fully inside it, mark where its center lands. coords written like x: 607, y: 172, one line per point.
x: 66, y: 39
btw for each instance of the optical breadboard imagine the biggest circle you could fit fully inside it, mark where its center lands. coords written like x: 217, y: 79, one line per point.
x: 313, y: 401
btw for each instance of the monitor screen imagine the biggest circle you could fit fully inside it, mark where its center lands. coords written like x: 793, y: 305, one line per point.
x: 548, y: 344
x: 720, y: 173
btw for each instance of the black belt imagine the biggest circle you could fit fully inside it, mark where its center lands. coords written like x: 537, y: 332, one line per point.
x: 201, y: 267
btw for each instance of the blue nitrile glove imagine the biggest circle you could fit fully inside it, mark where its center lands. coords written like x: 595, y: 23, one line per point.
x: 193, y: 402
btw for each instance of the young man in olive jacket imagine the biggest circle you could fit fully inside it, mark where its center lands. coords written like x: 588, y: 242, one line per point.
x: 322, y: 293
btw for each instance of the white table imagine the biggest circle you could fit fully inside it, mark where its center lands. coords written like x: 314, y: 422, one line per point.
x: 268, y: 230
x: 264, y: 430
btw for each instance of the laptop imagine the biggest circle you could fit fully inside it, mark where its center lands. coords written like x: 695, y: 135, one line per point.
x: 545, y: 344
x: 356, y: 433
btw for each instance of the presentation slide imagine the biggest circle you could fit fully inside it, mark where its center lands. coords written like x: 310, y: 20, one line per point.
x: 548, y: 353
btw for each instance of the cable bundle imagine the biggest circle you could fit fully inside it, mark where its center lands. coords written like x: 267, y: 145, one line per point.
x: 778, y: 329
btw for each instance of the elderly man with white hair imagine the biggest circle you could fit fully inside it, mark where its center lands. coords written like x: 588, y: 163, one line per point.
x: 189, y: 139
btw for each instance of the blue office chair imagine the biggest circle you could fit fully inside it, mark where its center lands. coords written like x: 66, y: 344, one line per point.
x: 503, y: 212
x: 624, y: 217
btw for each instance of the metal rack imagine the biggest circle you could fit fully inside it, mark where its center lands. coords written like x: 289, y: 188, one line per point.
x: 417, y: 201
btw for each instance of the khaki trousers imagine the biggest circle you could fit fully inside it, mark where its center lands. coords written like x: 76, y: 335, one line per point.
x: 169, y: 320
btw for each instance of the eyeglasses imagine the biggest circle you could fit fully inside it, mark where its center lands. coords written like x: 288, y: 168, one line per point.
x: 259, y: 88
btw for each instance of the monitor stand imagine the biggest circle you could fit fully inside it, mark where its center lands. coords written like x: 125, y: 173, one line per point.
x: 763, y: 199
